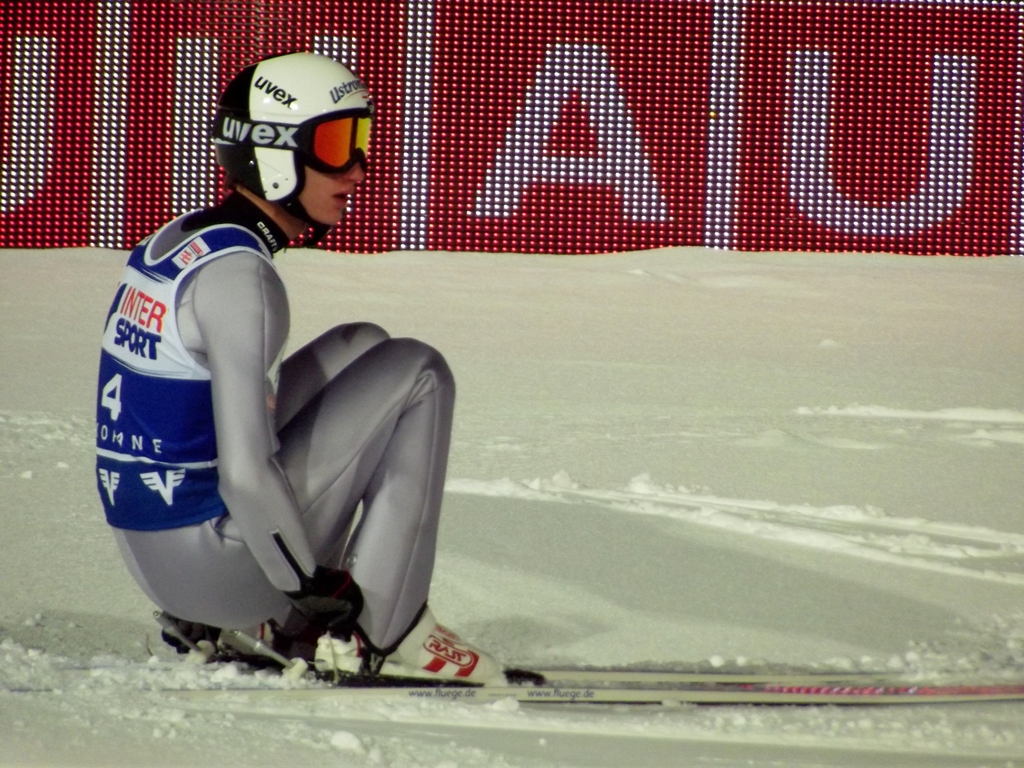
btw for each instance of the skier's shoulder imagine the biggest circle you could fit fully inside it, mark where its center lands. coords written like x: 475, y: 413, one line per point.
x: 194, y: 240
x: 238, y: 217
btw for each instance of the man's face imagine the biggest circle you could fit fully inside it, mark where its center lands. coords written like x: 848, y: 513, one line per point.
x: 325, y: 195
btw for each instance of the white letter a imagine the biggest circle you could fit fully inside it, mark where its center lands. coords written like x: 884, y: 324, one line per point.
x: 569, y: 69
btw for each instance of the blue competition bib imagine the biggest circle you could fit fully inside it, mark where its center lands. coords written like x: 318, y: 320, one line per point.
x: 156, y: 446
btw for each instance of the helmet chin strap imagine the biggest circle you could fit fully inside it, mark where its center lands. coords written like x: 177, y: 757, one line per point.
x: 320, y: 230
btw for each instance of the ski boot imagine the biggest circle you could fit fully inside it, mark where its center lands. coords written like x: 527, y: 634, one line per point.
x: 430, y: 652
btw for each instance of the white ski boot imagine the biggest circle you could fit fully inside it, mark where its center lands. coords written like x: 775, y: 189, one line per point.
x: 430, y: 651
x: 434, y: 651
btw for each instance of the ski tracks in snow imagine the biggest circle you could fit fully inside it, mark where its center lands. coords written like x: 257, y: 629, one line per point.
x: 866, y: 532
x: 869, y: 533
x: 990, y: 426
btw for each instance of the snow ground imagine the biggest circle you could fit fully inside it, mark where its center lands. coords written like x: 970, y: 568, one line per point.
x: 683, y: 456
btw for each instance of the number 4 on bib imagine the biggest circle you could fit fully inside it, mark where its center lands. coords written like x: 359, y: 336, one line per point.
x: 110, y: 397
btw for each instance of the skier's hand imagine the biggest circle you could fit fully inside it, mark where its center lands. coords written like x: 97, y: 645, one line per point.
x: 330, y: 599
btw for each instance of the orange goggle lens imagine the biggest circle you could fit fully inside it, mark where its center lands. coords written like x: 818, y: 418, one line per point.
x: 337, y: 143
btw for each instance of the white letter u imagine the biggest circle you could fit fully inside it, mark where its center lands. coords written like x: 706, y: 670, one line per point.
x: 812, y: 183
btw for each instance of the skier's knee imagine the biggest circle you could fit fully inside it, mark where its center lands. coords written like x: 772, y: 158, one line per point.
x: 363, y: 335
x: 425, y: 358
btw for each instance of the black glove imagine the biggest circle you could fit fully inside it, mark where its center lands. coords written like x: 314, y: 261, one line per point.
x: 330, y: 599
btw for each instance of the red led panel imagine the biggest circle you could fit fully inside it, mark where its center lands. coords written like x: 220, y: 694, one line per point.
x: 570, y: 126
x: 566, y: 125
x: 879, y: 127
x: 46, y: 127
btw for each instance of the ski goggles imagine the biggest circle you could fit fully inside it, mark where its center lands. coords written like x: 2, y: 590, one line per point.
x: 339, y: 143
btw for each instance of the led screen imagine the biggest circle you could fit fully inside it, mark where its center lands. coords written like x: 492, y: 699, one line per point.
x: 562, y: 126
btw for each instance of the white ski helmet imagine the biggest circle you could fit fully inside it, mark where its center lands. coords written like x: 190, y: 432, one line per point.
x: 286, y: 112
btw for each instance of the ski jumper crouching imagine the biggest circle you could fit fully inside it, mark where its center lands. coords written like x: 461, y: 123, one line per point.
x: 231, y: 474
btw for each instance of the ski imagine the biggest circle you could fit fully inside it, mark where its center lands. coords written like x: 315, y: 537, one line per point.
x: 602, y: 675
x: 598, y: 685
x: 620, y: 692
